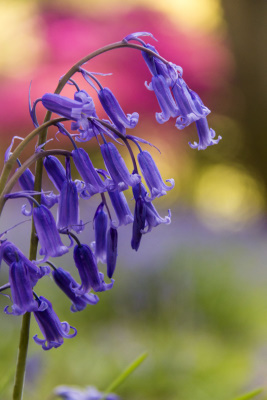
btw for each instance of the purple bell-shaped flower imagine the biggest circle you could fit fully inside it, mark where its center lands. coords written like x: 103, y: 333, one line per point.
x: 191, y: 107
x: 86, y: 264
x: 66, y: 283
x: 115, y: 112
x: 55, y: 171
x: 93, y: 182
x: 206, y: 135
x: 68, y: 207
x: 46, y: 229
x: 100, y: 227
x: 112, y: 250
x: 82, y: 106
x: 152, y: 176
x: 26, y: 181
x: 10, y: 254
x: 21, y: 289
x: 164, y: 96
x: 120, y: 205
x: 117, y: 169
x: 52, y: 329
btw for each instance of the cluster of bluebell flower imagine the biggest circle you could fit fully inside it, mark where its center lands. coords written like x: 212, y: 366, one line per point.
x: 175, y: 100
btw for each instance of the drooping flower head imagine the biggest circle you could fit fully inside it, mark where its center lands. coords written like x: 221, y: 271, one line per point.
x: 206, y: 135
x: 52, y: 329
x: 11, y: 253
x: 139, y: 219
x: 115, y: 112
x: 112, y: 250
x: 26, y: 181
x: 121, y: 177
x: 152, y: 176
x: 21, y: 290
x: 100, y: 228
x: 121, y: 208
x: 86, y: 264
x: 146, y: 216
x: 67, y: 283
x: 68, y: 207
x: 55, y: 171
x: 165, y: 99
x: 191, y: 107
x: 90, y: 393
x: 46, y: 229
x: 92, y: 180
x: 75, y: 110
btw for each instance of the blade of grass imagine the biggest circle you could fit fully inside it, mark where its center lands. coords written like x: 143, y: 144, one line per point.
x: 250, y: 395
x: 129, y: 370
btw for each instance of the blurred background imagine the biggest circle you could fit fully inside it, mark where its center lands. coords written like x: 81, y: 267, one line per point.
x: 194, y: 295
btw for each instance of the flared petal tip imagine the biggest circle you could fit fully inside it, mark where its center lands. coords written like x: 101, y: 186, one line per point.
x: 135, y: 36
x: 203, y: 146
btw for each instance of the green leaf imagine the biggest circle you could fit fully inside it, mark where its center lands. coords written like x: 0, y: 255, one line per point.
x: 250, y: 395
x: 129, y: 370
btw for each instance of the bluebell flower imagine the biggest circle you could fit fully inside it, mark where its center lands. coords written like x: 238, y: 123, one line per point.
x: 139, y: 222
x: 68, y: 206
x: 26, y: 181
x: 117, y: 169
x: 21, y: 289
x: 90, y: 393
x: 112, y: 250
x: 51, y: 244
x: 76, y: 110
x: 168, y: 71
x: 115, y: 112
x: 164, y: 96
x: 121, y: 207
x: 191, y: 107
x: 86, y: 264
x: 52, y: 329
x: 146, y: 216
x: 55, y: 171
x: 66, y: 283
x: 206, y: 135
x: 152, y: 176
x: 10, y: 254
x: 93, y: 182
x: 100, y: 228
